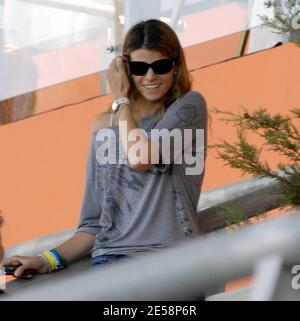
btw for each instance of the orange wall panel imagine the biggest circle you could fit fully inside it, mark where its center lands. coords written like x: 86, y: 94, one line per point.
x: 213, y: 52
x: 70, y: 92
x: 42, y: 170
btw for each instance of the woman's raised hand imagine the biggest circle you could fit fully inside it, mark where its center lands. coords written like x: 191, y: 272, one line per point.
x: 117, y: 77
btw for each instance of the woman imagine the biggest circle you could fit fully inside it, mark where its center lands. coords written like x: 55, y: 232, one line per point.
x: 146, y: 200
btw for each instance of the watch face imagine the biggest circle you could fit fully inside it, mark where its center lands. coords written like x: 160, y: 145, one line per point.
x: 115, y: 106
x: 119, y: 102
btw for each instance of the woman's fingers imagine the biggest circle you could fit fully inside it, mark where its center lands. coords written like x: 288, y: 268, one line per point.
x: 23, y: 264
x: 19, y: 271
x: 26, y: 266
x: 118, y: 64
x: 117, y: 78
x: 24, y: 272
x: 113, y: 65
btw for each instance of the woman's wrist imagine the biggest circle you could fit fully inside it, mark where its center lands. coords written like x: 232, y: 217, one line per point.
x: 46, y: 262
x: 120, y: 95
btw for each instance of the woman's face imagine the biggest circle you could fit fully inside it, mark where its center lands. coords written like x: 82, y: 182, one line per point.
x: 153, y: 87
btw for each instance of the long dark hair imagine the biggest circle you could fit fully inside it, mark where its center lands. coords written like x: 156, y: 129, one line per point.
x: 156, y: 35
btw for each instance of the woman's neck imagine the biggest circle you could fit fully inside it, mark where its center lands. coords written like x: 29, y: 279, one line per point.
x: 143, y: 107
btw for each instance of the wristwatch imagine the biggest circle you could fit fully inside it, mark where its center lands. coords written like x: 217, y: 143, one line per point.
x: 117, y: 103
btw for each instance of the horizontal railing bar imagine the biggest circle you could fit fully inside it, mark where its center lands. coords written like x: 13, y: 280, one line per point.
x: 183, y: 271
x: 251, y: 197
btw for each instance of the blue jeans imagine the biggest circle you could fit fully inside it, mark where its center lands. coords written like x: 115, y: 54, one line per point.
x: 107, y: 259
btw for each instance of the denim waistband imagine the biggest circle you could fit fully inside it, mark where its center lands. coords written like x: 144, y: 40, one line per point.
x: 107, y: 259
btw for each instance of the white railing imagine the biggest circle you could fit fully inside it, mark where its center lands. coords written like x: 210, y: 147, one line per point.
x: 184, y: 271
x: 267, y: 250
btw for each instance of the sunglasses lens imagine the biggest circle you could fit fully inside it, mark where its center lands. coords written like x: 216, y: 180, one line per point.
x: 160, y: 67
x: 138, y: 68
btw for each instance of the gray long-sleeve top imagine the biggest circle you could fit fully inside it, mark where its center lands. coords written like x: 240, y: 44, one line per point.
x: 133, y: 212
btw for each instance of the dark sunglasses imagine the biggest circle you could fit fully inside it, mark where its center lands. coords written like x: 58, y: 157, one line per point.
x: 160, y: 67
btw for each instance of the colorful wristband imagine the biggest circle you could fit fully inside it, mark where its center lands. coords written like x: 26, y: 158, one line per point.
x: 50, y: 259
x: 54, y: 260
x: 46, y: 261
x: 60, y: 262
